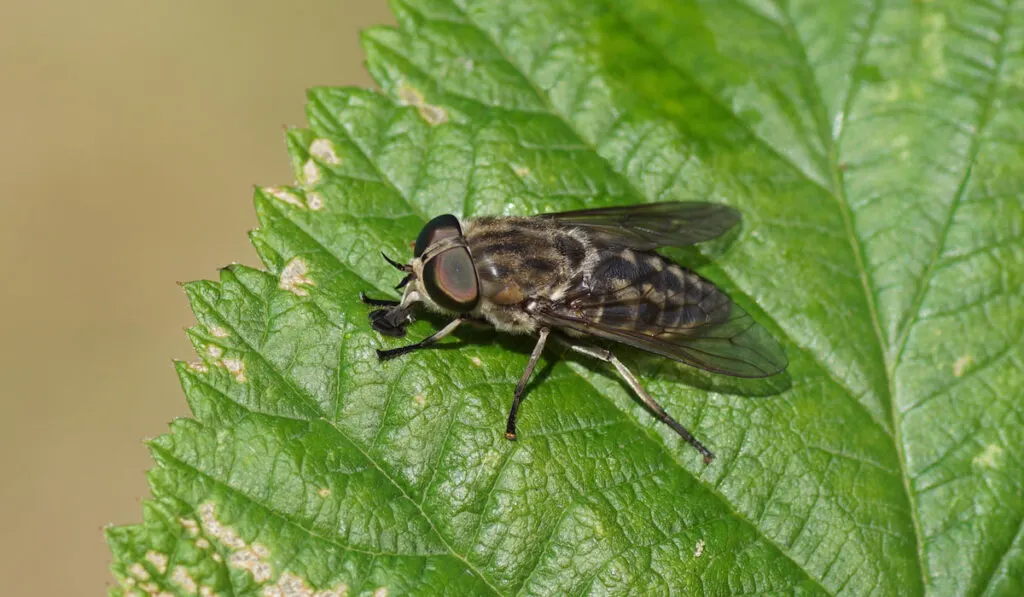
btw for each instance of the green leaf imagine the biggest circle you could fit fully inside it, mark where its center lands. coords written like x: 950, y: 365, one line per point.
x: 876, y: 149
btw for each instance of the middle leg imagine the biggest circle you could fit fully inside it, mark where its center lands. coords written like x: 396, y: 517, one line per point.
x: 510, y: 427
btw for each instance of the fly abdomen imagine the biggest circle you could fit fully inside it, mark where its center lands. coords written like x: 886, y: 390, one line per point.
x: 645, y: 293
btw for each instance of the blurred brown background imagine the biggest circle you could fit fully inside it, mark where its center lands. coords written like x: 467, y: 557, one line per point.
x: 132, y: 133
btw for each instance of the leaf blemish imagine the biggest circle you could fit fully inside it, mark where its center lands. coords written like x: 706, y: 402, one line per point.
x: 183, y: 579
x: 961, y: 364
x: 990, y: 457
x: 698, y: 549
x: 293, y: 277
x: 236, y: 367
x: 324, y: 492
x: 253, y: 559
x: 420, y: 399
x: 218, y: 332
x: 434, y: 115
x: 138, y: 571
x: 158, y: 560
x: 191, y: 526
x: 476, y: 361
x: 310, y: 173
x: 283, y: 195
x: 225, y: 534
x: 323, y: 150
x: 291, y: 585
x: 315, y: 201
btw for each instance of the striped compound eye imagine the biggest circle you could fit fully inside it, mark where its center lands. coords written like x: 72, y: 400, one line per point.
x: 439, y: 228
x: 450, y: 280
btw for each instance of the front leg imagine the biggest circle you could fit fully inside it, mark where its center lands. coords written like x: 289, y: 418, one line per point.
x: 397, y: 352
x: 377, y: 302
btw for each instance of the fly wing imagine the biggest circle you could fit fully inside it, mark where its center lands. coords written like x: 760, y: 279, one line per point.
x: 649, y: 226
x: 673, y: 313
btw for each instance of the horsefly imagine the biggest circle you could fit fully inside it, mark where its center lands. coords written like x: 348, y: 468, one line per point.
x: 592, y: 273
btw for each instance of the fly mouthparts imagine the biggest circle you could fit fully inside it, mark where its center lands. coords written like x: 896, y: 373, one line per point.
x: 390, y: 322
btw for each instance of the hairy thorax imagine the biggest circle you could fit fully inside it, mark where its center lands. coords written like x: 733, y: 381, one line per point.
x: 522, y: 262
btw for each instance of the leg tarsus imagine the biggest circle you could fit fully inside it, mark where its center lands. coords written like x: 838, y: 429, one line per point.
x: 397, y: 352
x: 517, y: 396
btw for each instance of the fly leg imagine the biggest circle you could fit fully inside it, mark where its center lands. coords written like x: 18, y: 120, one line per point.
x: 441, y: 333
x: 377, y: 302
x: 634, y: 383
x: 517, y: 397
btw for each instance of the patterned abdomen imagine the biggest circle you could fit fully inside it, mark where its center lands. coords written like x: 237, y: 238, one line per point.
x: 646, y: 293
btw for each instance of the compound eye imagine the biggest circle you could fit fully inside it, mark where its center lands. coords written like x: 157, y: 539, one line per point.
x: 450, y: 280
x: 437, y: 229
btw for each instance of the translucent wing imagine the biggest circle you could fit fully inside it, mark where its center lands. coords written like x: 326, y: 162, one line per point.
x: 652, y: 225
x: 668, y: 311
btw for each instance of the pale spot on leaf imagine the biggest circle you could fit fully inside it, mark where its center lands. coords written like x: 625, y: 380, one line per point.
x: 990, y: 457
x: 253, y: 559
x: 698, y: 550
x: 138, y: 571
x: 191, y: 526
x: 961, y: 364
x: 222, y: 533
x: 236, y: 367
x: 420, y: 399
x: 324, y: 492
x: 323, y: 150
x: 411, y: 96
x: 476, y: 361
x: 283, y: 195
x: 158, y: 560
x: 293, y: 277
x: 315, y: 201
x: 214, y: 351
x: 218, y: 332
x: 310, y: 173
x: 183, y: 579
x: 291, y: 585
